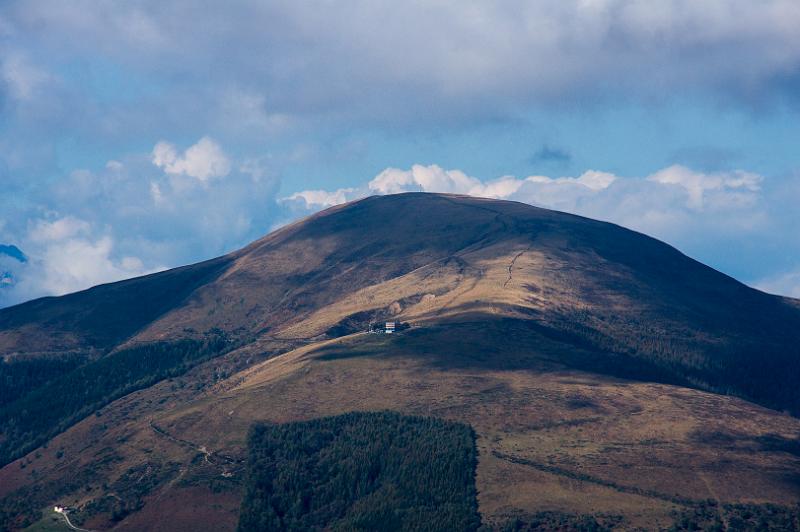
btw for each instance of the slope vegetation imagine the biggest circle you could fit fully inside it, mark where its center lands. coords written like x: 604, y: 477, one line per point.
x: 576, y: 349
x: 430, y: 257
x: 361, y: 471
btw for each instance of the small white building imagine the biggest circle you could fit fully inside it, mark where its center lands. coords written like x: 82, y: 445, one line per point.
x: 389, y: 328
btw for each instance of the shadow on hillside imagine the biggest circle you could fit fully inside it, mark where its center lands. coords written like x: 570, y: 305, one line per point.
x: 744, y: 442
x: 500, y: 344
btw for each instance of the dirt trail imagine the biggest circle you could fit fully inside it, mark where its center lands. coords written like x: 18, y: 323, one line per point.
x: 208, y: 455
x: 69, y: 523
x: 511, y: 266
x: 720, y: 510
x: 555, y: 470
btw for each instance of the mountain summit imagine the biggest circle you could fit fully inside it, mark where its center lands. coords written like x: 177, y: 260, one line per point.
x: 498, y: 300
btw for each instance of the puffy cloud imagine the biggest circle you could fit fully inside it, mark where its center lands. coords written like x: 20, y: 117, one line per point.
x: 698, y: 184
x: 419, y: 177
x: 593, y: 192
x: 57, y: 230
x: 503, y: 187
x: 591, y: 179
x: 75, y: 263
x: 133, y: 216
x: 204, y: 160
x: 66, y: 255
x: 320, y: 199
x: 435, y: 179
x: 660, y: 196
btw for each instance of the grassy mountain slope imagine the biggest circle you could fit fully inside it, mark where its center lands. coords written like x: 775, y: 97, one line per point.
x: 577, y: 349
x: 550, y: 438
x: 100, y: 317
x: 428, y: 257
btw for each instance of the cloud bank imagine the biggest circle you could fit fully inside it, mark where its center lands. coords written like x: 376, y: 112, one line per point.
x: 280, y: 62
x: 177, y: 205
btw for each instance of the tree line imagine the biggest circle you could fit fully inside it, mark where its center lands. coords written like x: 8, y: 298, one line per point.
x: 51, y: 408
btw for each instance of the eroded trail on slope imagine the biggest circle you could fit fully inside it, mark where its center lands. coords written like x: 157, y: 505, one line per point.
x: 511, y: 266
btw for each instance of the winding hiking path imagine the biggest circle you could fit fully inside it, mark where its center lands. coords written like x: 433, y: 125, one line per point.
x: 69, y: 523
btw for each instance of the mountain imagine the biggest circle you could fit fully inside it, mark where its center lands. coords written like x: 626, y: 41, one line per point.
x: 580, y: 352
x: 13, y: 251
x: 10, y: 256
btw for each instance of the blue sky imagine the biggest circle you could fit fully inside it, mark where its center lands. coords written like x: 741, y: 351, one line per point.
x: 143, y: 135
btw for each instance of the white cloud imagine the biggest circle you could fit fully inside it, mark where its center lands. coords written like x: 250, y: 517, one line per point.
x: 502, y: 187
x: 694, y: 210
x: 787, y: 284
x: 21, y: 76
x: 203, y: 161
x: 320, y: 199
x: 675, y: 187
x: 57, y: 230
x: 737, y: 185
x: 77, y: 263
x: 590, y: 179
x: 433, y: 178
x: 419, y: 177
x: 663, y: 203
x: 64, y: 256
x: 595, y: 180
x: 128, y: 218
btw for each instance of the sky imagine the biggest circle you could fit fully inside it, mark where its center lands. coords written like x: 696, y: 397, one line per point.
x: 142, y: 135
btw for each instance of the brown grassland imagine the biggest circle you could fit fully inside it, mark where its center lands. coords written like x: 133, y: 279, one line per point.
x: 585, y: 357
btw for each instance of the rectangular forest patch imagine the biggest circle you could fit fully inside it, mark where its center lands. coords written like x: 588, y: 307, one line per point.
x: 361, y: 471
